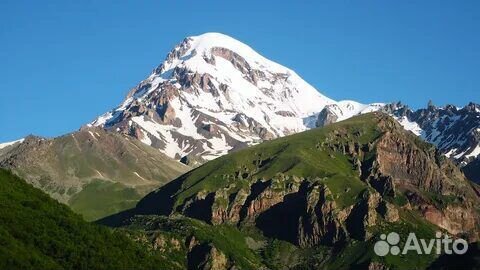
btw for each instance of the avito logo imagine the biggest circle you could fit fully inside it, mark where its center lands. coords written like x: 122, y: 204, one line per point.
x: 389, y: 244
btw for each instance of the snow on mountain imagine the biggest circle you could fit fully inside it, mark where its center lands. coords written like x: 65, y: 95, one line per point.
x: 214, y: 94
x: 409, y: 125
x: 344, y: 109
x: 6, y: 144
x: 455, y: 131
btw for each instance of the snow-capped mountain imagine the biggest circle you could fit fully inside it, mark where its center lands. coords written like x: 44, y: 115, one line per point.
x: 8, y: 144
x: 214, y: 94
x: 344, y: 109
x: 455, y: 131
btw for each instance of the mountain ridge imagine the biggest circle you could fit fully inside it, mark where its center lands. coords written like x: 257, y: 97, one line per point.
x: 214, y: 95
x: 94, y: 171
x: 330, y: 188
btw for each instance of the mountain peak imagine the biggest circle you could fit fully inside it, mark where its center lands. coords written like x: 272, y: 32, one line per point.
x: 214, y: 94
x: 234, y: 63
x: 203, y: 44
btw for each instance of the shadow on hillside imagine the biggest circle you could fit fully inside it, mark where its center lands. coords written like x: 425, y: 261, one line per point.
x: 158, y: 202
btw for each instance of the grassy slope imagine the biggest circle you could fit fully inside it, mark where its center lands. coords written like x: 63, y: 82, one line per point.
x: 307, y: 154
x: 37, y: 232
x: 94, y: 173
x: 304, y: 155
x: 249, y: 249
x: 295, y: 155
x: 112, y: 197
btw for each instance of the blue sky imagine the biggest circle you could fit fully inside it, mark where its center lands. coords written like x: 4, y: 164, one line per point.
x: 65, y: 62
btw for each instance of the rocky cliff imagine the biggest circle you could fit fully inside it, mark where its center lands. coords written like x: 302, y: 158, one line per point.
x: 327, y: 186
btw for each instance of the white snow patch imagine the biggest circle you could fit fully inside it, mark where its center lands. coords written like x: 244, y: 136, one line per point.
x: 99, y: 173
x: 101, y: 120
x: 163, y: 133
x: 93, y: 135
x: 3, y: 145
x: 410, y: 125
x: 218, y: 146
x: 145, y: 139
x: 475, y: 152
x: 451, y: 152
x: 345, y: 109
x: 138, y: 175
x: 184, y: 113
x: 460, y: 155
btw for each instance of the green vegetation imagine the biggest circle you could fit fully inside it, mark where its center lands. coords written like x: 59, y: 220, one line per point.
x: 249, y: 249
x: 37, y: 232
x: 226, y: 238
x: 279, y: 254
x: 307, y: 155
x: 101, y: 198
x: 410, y: 222
x: 96, y: 172
x: 442, y: 201
x: 336, y: 156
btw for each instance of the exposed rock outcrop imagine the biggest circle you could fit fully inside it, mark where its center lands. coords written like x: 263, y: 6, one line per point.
x: 326, y: 117
x: 327, y: 186
x: 206, y: 257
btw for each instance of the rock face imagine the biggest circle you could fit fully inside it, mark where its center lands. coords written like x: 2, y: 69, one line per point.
x: 406, y: 165
x: 326, y: 186
x: 213, y: 95
x: 326, y: 117
x: 207, y: 257
x: 472, y: 170
x: 320, y: 224
x: 454, y: 131
x: 344, y: 109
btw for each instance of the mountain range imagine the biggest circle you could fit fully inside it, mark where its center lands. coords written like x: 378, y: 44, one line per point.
x: 223, y: 159
x: 317, y: 199
x: 214, y: 95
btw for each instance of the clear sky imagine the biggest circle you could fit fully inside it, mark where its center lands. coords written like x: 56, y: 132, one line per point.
x: 62, y: 63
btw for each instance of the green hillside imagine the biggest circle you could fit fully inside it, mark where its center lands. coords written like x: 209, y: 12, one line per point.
x: 37, y: 232
x: 95, y: 172
x: 320, y: 198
